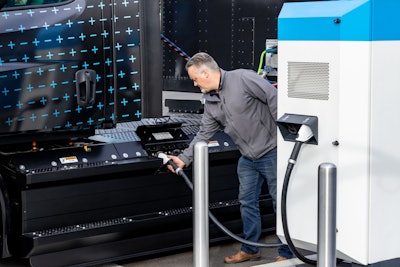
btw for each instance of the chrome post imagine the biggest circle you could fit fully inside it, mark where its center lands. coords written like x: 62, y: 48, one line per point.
x: 200, y: 206
x: 326, y: 250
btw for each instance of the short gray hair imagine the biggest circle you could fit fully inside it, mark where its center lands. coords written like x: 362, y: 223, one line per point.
x: 202, y: 59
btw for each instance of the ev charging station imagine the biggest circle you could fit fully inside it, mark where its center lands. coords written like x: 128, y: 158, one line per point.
x: 339, y: 61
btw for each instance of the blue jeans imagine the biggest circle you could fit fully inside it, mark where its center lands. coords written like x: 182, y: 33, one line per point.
x: 252, y: 174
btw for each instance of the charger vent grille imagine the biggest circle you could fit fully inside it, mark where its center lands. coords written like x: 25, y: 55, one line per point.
x: 308, y: 80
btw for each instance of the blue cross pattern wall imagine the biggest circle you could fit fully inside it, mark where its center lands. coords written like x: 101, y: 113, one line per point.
x: 43, y: 49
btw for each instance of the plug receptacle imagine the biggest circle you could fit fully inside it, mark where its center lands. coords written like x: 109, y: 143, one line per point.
x: 289, y: 125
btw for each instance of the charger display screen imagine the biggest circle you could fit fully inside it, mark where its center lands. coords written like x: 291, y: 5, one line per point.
x: 162, y: 136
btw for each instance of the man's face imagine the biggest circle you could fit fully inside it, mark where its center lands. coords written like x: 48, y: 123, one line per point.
x: 201, y: 78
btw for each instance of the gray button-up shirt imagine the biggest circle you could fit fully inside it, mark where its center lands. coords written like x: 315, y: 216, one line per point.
x: 245, y: 108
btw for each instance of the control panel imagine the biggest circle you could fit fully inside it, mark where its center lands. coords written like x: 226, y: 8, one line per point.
x: 163, y: 137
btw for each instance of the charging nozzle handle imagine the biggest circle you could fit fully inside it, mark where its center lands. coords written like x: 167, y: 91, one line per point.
x: 304, y: 134
x: 168, y: 161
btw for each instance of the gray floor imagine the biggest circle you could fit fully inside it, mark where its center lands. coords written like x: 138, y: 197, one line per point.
x: 184, y: 259
x: 216, y: 258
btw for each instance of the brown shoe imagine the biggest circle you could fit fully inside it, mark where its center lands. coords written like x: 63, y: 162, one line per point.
x: 242, y: 256
x: 280, y: 258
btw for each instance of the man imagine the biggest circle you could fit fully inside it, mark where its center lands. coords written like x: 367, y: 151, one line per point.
x: 245, y: 105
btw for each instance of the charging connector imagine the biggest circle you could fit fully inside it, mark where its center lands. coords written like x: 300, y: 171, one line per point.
x: 304, y: 134
x: 168, y: 161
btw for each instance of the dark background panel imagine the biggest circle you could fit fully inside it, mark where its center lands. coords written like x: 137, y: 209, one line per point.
x: 233, y: 32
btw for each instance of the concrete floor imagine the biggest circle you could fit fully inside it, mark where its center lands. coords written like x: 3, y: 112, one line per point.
x: 216, y: 258
x: 185, y: 258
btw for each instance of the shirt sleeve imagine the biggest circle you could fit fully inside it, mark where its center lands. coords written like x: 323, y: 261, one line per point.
x: 209, y: 126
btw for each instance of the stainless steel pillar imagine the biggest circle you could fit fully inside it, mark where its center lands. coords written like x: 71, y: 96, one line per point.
x: 200, y: 206
x: 326, y: 215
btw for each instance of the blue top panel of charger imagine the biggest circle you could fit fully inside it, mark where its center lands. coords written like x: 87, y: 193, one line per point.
x: 343, y: 20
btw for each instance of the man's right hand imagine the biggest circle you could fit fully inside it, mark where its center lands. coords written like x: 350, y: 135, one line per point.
x: 178, y: 162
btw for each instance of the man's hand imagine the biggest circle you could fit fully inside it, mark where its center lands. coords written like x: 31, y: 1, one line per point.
x: 179, y: 163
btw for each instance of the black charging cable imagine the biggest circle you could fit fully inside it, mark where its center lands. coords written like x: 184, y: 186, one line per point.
x: 180, y: 172
x: 291, y: 162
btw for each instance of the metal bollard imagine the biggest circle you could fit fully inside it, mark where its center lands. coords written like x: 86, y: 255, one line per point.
x: 326, y: 215
x: 200, y: 206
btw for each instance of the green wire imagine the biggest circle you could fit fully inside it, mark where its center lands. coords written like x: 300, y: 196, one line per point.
x: 261, y: 61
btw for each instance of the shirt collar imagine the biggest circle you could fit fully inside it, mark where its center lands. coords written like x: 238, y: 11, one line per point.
x: 213, y: 96
x: 222, y: 79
